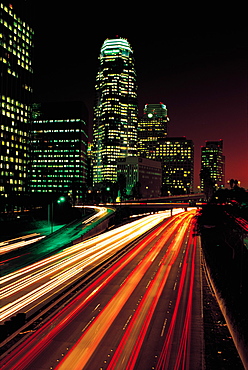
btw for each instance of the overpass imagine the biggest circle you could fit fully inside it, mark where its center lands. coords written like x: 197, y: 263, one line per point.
x: 166, y: 202
x: 177, y: 198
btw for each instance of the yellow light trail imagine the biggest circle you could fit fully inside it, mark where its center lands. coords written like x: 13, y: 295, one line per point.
x: 53, y: 272
x: 7, y: 246
x: 81, y: 352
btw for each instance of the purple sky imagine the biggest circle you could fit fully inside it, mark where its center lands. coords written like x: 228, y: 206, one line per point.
x: 193, y: 61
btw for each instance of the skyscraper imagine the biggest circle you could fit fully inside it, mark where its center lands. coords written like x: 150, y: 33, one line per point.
x: 213, y: 160
x: 59, y: 144
x: 16, y: 46
x: 152, y: 127
x: 115, y: 110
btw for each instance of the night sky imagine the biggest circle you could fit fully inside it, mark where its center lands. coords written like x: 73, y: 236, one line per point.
x: 193, y: 60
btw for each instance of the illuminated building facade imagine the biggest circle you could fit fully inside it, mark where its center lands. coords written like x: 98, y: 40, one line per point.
x: 115, y: 110
x: 59, y: 146
x: 151, y: 128
x: 143, y: 176
x: 177, y: 157
x: 213, y: 159
x: 175, y: 154
x: 16, y: 55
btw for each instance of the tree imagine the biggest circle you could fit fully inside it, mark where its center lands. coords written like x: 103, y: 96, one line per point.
x: 231, y: 183
x: 121, y: 185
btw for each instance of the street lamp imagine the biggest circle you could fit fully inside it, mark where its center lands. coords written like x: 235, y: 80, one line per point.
x: 50, y: 211
x: 61, y: 199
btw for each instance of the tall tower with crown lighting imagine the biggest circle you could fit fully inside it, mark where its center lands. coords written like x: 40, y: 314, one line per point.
x: 115, y: 109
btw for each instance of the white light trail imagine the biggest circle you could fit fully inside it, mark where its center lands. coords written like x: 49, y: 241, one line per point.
x: 51, y: 273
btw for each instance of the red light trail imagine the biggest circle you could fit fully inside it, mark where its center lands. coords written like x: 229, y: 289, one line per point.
x: 157, y: 258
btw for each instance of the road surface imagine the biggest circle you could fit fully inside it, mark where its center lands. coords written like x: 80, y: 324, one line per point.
x: 24, y: 289
x: 144, y: 312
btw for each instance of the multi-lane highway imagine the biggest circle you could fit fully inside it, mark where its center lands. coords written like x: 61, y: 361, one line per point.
x: 143, y: 312
x: 24, y: 289
x: 25, y: 250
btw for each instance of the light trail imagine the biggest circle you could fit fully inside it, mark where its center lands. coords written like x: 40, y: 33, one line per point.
x: 129, y: 348
x: 239, y: 221
x: 80, y: 354
x: 182, y: 359
x: 101, y: 211
x: 83, y: 245
x: 29, y: 350
x: 63, y: 268
x: 18, y: 238
x: 93, y: 244
x: 8, y: 245
x: 12, y: 244
x: 86, y: 346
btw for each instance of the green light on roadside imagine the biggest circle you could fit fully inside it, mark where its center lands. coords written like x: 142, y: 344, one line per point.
x: 61, y: 200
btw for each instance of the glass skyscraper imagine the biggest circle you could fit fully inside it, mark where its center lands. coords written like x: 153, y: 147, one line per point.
x: 115, y: 109
x: 16, y: 55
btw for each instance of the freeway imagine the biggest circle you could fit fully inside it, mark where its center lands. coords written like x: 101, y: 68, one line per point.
x: 17, y: 255
x: 143, y: 312
x: 25, y: 289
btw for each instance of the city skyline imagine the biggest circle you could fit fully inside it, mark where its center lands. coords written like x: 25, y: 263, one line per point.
x: 102, y: 268
x: 198, y: 69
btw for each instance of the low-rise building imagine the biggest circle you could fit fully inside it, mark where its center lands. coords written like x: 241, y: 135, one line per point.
x: 143, y: 176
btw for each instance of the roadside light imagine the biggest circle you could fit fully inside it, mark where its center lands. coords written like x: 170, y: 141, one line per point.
x: 108, y: 188
x: 61, y: 200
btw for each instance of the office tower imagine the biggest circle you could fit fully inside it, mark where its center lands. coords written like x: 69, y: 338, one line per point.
x: 142, y: 176
x: 177, y: 157
x: 59, y: 145
x: 115, y: 110
x: 152, y: 127
x: 16, y: 45
x: 213, y: 160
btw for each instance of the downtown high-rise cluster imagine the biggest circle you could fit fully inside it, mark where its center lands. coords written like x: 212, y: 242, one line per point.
x: 44, y: 146
x: 119, y: 133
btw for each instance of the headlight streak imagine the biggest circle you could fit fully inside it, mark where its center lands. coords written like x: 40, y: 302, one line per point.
x: 8, y: 290
x: 78, y: 247
x: 24, y: 354
x: 89, y: 255
x: 182, y: 358
x: 5, y: 248
x: 101, y: 212
x: 87, y: 344
x: 128, y: 350
x: 84, y: 348
x: 18, y: 238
